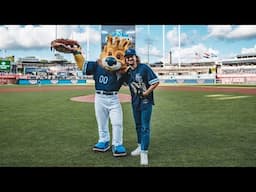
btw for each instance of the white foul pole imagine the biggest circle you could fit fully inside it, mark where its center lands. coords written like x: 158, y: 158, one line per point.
x: 56, y: 36
x: 164, y: 44
x: 56, y: 32
x: 179, y: 43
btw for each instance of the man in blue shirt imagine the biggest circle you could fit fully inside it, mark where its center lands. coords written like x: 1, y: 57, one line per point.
x: 141, y: 81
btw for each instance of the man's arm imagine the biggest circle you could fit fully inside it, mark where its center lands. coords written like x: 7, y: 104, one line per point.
x: 150, y: 89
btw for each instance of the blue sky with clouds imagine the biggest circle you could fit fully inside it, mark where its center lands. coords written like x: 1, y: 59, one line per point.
x: 153, y: 42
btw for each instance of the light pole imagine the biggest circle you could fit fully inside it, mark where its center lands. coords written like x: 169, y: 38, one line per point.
x: 149, y: 42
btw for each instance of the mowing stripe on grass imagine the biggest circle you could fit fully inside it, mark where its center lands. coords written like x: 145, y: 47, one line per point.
x: 217, y: 95
x: 225, y: 97
x: 232, y: 97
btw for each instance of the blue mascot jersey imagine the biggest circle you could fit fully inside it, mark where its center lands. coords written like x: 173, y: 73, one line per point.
x: 104, y: 80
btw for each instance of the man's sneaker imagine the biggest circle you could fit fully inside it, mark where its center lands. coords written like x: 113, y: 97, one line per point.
x: 136, y: 152
x: 118, y: 151
x: 101, y: 146
x: 144, y: 158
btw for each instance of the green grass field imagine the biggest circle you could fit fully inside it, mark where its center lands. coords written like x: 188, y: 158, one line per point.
x: 188, y: 129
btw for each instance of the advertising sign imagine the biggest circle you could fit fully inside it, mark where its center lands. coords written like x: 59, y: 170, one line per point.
x: 5, y: 65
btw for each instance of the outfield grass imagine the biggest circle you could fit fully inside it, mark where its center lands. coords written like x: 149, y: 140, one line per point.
x: 189, y: 129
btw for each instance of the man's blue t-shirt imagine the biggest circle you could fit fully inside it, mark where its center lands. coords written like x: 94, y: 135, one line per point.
x: 143, y: 76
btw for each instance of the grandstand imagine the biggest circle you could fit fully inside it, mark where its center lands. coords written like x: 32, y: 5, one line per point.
x: 238, y: 70
x: 241, y: 69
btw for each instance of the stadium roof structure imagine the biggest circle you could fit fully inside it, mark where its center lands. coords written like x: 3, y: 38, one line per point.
x: 239, y: 62
x: 246, y: 55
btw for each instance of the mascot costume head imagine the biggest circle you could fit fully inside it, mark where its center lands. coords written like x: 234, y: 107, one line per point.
x: 112, y: 55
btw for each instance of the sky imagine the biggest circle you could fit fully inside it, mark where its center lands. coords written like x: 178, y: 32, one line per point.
x: 153, y: 43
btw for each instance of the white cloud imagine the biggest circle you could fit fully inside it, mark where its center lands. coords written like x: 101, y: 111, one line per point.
x: 173, y: 38
x: 248, y: 50
x: 186, y: 54
x: 189, y: 54
x: 89, y: 34
x: 152, y: 51
x: 232, y: 32
x: 219, y: 30
x: 40, y: 36
x: 243, y: 31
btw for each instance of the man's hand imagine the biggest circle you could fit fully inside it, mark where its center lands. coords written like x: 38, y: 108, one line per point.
x: 138, y: 89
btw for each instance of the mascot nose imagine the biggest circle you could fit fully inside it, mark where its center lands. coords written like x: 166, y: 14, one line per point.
x: 111, y: 61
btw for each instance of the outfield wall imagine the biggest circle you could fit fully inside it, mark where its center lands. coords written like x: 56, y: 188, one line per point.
x: 7, y: 78
x: 188, y: 79
x: 51, y: 82
x: 237, y: 78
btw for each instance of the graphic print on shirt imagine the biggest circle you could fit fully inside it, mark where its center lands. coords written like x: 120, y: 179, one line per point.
x: 138, y: 83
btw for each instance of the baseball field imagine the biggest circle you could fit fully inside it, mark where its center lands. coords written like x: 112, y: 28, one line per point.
x: 191, y: 126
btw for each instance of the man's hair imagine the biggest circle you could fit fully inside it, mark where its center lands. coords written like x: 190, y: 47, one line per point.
x: 138, y: 59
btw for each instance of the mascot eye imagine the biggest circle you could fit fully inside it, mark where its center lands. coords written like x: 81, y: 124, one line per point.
x: 109, y: 53
x: 119, y: 56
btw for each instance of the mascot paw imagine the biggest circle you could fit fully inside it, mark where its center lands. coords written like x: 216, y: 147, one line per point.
x: 66, y: 46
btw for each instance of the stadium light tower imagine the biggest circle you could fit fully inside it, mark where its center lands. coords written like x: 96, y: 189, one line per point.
x: 149, y: 42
